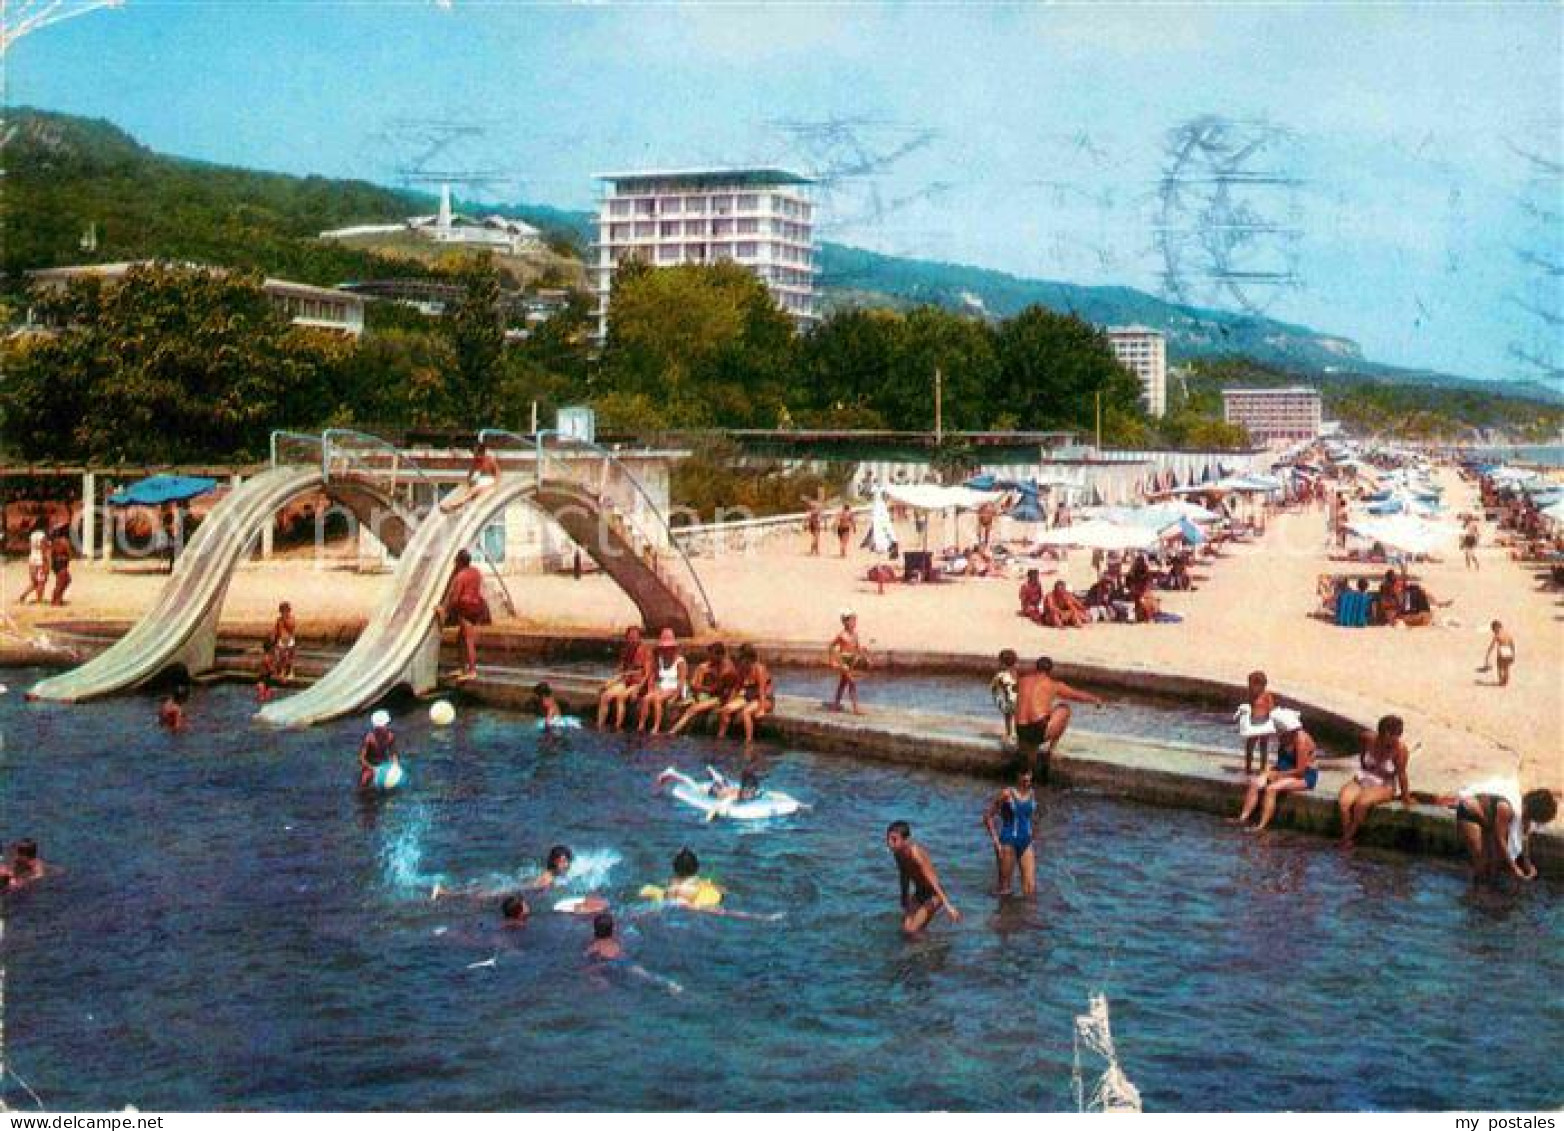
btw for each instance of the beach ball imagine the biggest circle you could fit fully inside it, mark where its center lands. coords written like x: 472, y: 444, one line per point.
x: 442, y: 714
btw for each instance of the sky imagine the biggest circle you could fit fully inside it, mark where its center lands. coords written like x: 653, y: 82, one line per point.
x: 1388, y: 172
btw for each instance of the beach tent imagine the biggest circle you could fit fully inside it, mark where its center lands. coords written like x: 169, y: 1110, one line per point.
x: 1409, y: 534
x: 933, y: 497
x: 1099, y: 534
x: 160, y: 489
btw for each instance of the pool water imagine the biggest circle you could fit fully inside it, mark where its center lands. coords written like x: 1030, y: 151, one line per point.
x: 234, y: 928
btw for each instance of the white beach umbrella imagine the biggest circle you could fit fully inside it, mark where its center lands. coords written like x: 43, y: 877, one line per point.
x: 1555, y: 512
x: 1406, y: 533
x: 1099, y: 534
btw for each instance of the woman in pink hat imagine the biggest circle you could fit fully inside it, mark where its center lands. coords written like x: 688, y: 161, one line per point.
x: 670, y: 682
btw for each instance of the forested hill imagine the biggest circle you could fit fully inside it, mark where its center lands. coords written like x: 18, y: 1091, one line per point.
x: 65, y: 173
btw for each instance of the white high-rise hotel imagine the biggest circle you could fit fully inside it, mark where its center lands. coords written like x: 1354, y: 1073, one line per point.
x: 761, y: 219
x: 1144, y: 352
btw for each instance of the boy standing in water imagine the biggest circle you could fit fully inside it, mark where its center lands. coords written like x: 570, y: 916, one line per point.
x: 1502, y: 647
x: 922, y: 897
x: 171, y: 712
x: 604, y: 947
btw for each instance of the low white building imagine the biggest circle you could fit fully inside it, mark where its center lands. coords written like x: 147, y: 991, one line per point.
x: 1291, y: 413
x: 1144, y: 352
x: 320, y: 308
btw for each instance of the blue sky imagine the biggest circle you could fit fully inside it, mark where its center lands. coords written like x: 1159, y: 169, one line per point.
x: 1036, y: 139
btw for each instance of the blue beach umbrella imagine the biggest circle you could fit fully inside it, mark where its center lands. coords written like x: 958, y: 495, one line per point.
x: 160, y: 489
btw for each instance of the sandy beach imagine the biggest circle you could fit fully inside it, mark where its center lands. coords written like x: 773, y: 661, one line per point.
x: 1250, y: 610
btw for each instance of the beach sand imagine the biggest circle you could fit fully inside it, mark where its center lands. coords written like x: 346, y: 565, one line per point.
x: 1251, y: 610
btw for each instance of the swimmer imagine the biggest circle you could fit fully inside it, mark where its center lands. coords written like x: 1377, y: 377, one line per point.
x: 378, y: 747
x: 546, y: 705
x: 514, y: 911
x: 922, y: 897
x: 171, y: 712
x: 1008, y: 819
x: 604, y: 947
x: 1043, y: 714
x: 688, y: 889
x: 25, y: 866
x: 556, y: 868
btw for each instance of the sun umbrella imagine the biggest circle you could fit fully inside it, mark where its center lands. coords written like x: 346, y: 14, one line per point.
x: 1554, y: 512
x: 1099, y: 534
x: 1406, y: 533
x: 160, y: 489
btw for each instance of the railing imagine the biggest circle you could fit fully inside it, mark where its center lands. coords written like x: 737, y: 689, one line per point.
x: 305, y: 438
x: 329, y: 449
x: 541, y: 453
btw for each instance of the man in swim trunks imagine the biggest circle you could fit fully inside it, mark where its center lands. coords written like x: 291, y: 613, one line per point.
x: 635, y: 673
x: 846, y: 656
x: 711, y: 684
x: 465, y: 607
x: 845, y: 526
x: 814, y: 523
x: 378, y: 748
x: 922, y: 897
x: 1043, y: 714
x: 1502, y: 646
x: 482, y: 475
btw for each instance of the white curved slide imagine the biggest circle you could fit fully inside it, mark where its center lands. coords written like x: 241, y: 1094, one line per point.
x: 181, y: 626
x: 401, y: 644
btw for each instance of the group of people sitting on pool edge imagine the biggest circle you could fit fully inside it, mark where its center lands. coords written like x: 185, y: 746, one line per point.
x: 663, y: 687
x: 1494, y: 821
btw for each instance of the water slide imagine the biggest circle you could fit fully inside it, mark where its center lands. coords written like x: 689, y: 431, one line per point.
x: 181, y: 627
x: 401, y: 644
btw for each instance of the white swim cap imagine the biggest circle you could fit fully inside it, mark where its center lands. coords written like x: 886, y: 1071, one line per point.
x: 380, y: 719
x: 845, y: 613
x: 1286, y: 720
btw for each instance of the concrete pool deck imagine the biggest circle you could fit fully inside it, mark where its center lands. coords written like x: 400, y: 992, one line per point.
x: 1163, y: 773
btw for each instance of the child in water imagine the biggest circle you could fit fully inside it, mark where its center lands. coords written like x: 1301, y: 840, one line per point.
x: 171, y: 712
x: 547, y: 705
x: 604, y: 947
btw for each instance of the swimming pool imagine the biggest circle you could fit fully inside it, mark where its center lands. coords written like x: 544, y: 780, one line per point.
x: 233, y: 928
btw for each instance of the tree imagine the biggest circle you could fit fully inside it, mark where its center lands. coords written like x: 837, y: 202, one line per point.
x: 168, y: 365
x: 1053, y: 366
x: 477, y: 336
x: 707, y: 343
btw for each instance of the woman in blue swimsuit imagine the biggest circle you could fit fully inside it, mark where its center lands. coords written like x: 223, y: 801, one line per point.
x: 1008, y: 820
x: 1294, y: 771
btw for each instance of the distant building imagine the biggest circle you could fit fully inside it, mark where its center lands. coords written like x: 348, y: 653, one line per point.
x: 494, y: 233
x: 1292, y: 413
x: 1144, y: 352
x: 320, y: 308
x: 761, y: 219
